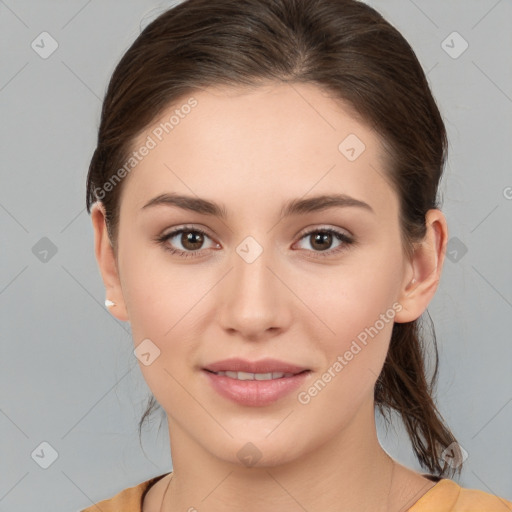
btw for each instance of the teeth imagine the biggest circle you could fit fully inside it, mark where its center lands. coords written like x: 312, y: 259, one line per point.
x: 254, y: 376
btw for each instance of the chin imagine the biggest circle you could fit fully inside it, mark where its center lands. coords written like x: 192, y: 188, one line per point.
x: 258, y: 451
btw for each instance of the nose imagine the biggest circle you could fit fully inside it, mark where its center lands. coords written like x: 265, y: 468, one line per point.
x: 253, y: 300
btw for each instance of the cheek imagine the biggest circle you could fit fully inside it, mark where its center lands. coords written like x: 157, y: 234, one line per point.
x: 161, y: 307
x: 163, y: 302
x: 355, y: 309
x: 361, y: 318
x: 156, y: 294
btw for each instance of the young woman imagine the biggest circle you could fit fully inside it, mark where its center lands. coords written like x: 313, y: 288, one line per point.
x: 264, y: 206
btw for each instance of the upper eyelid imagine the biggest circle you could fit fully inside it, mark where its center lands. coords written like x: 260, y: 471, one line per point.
x: 176, y: 231
x: 324, y: 227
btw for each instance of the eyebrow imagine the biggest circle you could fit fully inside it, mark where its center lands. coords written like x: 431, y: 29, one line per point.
x: 293, y: 207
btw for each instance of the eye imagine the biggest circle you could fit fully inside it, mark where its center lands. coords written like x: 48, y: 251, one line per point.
x: 322, y: 238
x: 191, y: 240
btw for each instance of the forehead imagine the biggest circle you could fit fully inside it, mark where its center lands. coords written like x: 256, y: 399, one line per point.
x: 278, y: 139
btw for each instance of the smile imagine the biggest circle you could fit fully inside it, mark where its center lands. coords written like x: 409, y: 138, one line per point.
x: 254, y: 376
x: 254, y: 389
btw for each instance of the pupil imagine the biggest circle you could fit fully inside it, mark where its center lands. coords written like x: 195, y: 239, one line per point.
x: 323, y: 237
x: 192, y: 238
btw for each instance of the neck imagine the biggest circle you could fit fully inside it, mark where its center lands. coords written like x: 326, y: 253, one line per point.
x: 350, y: 471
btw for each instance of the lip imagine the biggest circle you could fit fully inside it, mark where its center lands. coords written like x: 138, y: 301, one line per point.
x: 255, y: 393
x: 236, y: 364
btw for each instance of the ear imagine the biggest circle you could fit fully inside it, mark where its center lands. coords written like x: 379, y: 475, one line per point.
x: 425, y: 267
x: 107, y: 262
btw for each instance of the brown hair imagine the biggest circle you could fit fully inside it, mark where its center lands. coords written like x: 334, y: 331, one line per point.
x: 342, y: 46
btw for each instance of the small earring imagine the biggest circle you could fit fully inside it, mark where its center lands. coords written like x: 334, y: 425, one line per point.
x: 413, y: 280
x: 109, y: 303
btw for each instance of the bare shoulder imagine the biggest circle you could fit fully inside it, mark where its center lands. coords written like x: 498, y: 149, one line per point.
x: 154, y: 496
x: 408, y: 487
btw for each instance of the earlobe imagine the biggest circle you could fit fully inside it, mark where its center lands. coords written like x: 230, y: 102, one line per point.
x: 426, y: 266
x: 107, y: 264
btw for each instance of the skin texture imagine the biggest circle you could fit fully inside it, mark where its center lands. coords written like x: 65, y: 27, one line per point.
x: 253, y: 150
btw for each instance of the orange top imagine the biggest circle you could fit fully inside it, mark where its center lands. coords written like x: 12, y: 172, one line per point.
x: 445, y: 496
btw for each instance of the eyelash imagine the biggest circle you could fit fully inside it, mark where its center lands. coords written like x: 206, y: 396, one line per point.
x: 342, y: 237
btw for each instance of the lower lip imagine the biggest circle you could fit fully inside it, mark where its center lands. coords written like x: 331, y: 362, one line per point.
x: 255, y: 392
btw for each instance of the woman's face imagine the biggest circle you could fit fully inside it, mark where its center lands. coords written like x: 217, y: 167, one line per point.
x: 261, y: 283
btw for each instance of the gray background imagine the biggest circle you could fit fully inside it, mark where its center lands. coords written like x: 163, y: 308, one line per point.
x: 68, y: 374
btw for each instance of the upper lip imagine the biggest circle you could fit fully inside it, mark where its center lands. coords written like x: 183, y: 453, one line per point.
x: 236, y: 364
